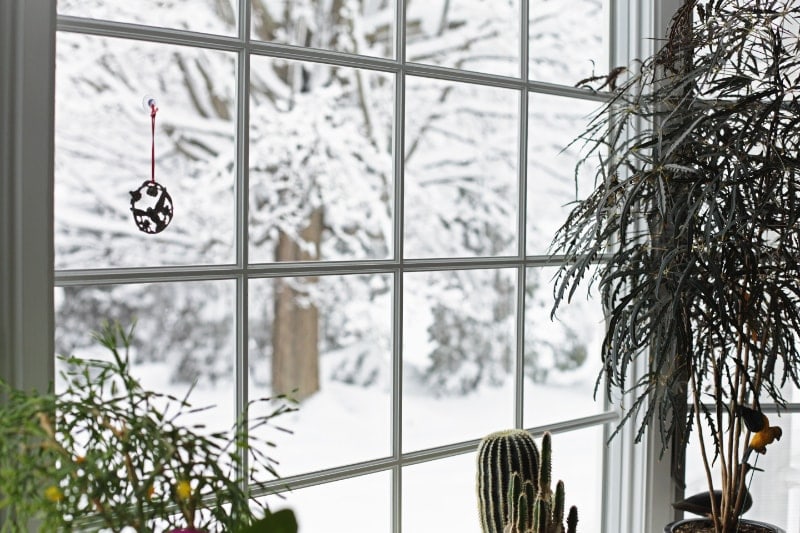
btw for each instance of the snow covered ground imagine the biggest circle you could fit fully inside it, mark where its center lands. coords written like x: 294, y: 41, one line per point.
x: 345, y: 424
x: 438, y: 496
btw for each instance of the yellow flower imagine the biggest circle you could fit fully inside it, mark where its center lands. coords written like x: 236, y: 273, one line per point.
x: 46, y: 423
x: 53, y: 494
x: 183, y: 489
x: 150, y: 490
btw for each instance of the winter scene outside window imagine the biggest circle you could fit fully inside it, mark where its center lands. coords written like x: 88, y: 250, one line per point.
x: 364, y: 195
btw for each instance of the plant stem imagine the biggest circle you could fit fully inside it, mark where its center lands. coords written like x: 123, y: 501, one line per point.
x: 703, y: 452
x: 717, y: 366
x: 735, y: 433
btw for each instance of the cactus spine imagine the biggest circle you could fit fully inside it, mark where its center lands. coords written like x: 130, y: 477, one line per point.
x: 528, y: 505
x: 500, y: 456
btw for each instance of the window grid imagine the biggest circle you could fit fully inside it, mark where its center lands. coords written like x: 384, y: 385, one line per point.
x: 242, y: 271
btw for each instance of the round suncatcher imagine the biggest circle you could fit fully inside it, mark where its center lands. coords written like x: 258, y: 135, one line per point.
x: 151, y: 204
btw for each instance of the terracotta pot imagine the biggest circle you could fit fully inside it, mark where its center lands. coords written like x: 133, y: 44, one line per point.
x: 767, y: 528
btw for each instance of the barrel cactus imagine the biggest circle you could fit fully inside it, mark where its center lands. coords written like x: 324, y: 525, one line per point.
x: 501, y: 455
x: 527, y: 504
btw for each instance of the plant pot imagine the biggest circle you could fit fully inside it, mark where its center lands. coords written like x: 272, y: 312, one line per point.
x: 752, y: 526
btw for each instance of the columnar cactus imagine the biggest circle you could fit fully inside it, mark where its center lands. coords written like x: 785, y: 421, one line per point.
x: 500, y: 456
x: 528, y: 505
x: 548, y: 509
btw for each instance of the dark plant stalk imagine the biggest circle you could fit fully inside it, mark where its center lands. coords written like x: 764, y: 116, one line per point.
x: 737, y: 470
x: 719, y: 437
x: 701, y: 440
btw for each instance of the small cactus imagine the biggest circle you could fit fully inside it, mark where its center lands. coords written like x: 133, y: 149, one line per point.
x: 529, y: 505
x: 548, y: 506
x: 522, y: 513
x: 501, y: 455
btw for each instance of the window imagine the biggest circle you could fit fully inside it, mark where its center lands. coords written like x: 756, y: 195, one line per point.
x: 363, y: 189
x: 775, y: 490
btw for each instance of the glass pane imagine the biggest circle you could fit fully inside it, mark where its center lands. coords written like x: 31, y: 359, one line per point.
x: 458, y: 355
x: 568, y: 42
x: 440, y: 496
x: 103, y: 148
x: 358, y: 505
x: 775, y: 491
x: 183, y: 337
x: 320, y: 162
x: 327, y: 342
x: 578, y: 462
x: 478, y: 35
x: 562, y: 355
x: 209, y: 16
x: 553, y: 123
x: 461, y: 182
x: 366, y: 27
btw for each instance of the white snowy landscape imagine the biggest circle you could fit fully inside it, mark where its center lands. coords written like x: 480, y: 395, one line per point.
x: 318, y: 188
x: 345, y: 424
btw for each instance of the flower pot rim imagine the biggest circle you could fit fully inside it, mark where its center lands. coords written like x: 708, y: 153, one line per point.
x: 669, y: 527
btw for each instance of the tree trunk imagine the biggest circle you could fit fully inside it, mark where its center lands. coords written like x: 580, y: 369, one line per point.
x: 295, y: 337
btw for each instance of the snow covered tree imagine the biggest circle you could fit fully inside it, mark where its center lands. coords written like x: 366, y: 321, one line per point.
x: 321, y: 181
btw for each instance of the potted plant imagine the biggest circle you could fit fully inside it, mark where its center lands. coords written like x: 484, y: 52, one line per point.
x: 513, y: 486
x: 692, y: 226
x: 105, y: 453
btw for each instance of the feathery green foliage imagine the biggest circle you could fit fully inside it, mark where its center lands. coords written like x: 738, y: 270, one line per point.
x: 106, y: 453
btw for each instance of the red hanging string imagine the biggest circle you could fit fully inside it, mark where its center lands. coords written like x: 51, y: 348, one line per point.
x: 153, y: 111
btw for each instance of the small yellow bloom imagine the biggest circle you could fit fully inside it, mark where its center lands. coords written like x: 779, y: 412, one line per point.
x: 46, y: 423
x: 80, y: 459
x: 120, y: 432
x: 53, y: 494
x: 183, y: 489
x: 150, y: 490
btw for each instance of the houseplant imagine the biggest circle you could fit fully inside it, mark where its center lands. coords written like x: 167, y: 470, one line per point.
x: 513, y: 484
x: 106, y: 454
x: 693, y: 227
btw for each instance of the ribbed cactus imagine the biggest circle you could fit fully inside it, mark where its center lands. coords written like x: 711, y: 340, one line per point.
x: 500, y: 456
x: 529, y: 505
x: 548, y: 508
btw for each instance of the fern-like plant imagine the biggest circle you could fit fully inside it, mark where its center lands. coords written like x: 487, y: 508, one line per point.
x: 106, y: 454
x: 693, y: 225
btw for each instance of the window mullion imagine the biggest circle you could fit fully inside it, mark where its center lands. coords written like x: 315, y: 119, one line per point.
x: 397, y: 304
x: 241, y: 225
x: 522, y: 218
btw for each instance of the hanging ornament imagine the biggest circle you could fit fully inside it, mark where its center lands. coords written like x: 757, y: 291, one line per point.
x: 151, y: 205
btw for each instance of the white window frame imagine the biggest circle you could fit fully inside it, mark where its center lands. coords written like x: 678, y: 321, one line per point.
x: 640, y: 473
x: 636, y: 496
x: 27, y: 59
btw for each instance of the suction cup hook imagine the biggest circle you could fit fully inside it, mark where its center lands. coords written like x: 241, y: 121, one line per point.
x: 148, y: 102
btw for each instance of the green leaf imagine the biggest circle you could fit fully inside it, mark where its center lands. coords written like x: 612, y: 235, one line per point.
x: 282, y: 521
